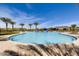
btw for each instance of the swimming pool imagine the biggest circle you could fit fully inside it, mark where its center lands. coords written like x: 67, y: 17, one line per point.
x: 42, y: 38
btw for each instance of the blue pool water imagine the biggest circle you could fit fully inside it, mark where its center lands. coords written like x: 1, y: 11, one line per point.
x: 42, y: 38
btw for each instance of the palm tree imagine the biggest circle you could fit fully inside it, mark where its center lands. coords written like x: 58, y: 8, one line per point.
x: 12, y: 23
x: 30, y: 26
x: 36, y: 24
x: 73, y: 27
x: 6, y: 21
x: 22, y: 25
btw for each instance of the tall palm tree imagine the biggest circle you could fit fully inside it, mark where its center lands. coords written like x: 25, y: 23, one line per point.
x: 36, y: 24
x: 30, y: 26
x: 12, y: 23
x: 73, y: 27
x: 6, y: 21
x: 22, y: 25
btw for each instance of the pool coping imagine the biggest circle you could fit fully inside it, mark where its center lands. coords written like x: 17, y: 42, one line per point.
x: 76, y: 42
x: 64, y: 33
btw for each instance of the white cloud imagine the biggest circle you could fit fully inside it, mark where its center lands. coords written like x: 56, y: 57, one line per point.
x: 50, y: 23
x: 17, y: 16
x: 46, y: 24
x: 68, y: 24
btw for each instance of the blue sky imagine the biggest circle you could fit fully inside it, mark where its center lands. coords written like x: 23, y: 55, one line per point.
x: 47, y: 14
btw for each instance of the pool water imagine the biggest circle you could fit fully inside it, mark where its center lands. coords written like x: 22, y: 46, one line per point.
x: 42, y: 38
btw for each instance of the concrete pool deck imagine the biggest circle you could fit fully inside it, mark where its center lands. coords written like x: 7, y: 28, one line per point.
x: 14, y: 46
x: 74, y: 35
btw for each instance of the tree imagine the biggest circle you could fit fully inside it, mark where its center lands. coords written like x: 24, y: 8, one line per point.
x: 22, y: 25
x: 12, y: 23
x: 73, y: 27
x: 30, y: 26
x: 36, y: 24
x: 6, y: 21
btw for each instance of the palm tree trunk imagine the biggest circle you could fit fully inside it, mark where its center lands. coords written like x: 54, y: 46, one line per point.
x: 30, y: 27
x: 12, y: 27
x: 36, y: 27
x: 73, y: 29
x: 22, y: 28
x: 7, y: 26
